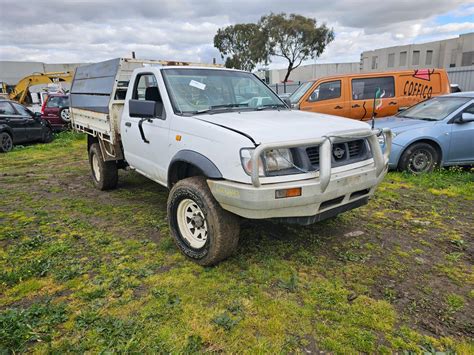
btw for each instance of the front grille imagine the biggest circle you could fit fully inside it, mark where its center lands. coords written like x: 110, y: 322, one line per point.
x: 342, y: 153
x: 313, y: 155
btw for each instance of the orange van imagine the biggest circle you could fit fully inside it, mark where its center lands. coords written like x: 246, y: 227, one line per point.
x: 352, y: 95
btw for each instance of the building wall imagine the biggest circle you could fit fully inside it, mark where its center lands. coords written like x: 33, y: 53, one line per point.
x: 449, y: 53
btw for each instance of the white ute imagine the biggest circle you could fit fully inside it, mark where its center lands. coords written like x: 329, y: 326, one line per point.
x: 225, y: 145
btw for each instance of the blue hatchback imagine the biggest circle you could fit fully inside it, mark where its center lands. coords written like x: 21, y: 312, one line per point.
x: 435, y: 132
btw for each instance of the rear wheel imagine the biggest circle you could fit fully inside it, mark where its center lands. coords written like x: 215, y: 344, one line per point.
x: 202, y: 230
x: 6, y: 142
x: 104, y: 173
x: 419, y: 158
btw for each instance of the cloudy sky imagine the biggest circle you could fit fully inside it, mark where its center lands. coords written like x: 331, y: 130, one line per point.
x: 62, y: 31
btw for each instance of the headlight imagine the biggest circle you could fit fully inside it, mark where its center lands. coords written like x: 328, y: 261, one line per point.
x: 277, y: 159
x: 381, y: 138
x: 273, y: 160
x: 245, y: 158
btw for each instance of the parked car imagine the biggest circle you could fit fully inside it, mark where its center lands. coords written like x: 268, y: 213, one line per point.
x: 436, y: 132
x: 20, y: 125
x: 55, y: 110
x: 352, y: 95
x: 222, y: 154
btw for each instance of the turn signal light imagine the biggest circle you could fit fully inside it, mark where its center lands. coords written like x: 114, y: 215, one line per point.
x: 294, y: 192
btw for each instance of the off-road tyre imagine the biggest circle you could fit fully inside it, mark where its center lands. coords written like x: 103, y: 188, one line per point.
x: 222, y: 226
x: 104, y: 173
x: 6, y: 142
x: 47, y: 135
x: 419, y: 158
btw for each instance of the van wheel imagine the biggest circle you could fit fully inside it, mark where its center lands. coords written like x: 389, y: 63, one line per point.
x: 419, y: 158
x: 104, y: 173
x: 6, y: 142
x: 202, y: 230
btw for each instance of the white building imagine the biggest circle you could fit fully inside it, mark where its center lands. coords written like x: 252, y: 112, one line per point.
x: 448, y: 53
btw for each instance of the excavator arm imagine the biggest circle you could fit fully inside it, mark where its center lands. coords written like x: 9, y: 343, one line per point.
x: 20, y: 92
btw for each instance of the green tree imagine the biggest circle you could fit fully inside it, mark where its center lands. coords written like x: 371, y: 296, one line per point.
x: 295, y: 38
x: 244, y: 45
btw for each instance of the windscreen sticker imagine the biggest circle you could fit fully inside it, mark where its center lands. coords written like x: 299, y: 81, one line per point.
x: 197, y: 85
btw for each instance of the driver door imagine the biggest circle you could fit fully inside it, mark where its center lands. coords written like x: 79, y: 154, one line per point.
x: 461, y: 147
x: 148, y: 153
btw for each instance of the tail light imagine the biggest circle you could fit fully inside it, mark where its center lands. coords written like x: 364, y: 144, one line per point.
x: 44, y: 105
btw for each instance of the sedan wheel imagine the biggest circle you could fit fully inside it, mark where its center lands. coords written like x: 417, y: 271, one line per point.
x: 6, y: 142
x: 419, y: 158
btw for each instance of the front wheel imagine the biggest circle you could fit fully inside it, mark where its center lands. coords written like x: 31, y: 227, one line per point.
x: 202, y: 230
x: 419, y: 158
x: 104, y: 173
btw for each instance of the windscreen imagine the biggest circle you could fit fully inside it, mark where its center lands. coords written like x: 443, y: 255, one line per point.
x: 194, y: 91
x: 434, y: 109
x: 298, y: 94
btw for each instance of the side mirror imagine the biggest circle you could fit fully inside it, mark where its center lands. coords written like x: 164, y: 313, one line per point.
x: 466, y: 117
x: 142, y: 108
x: 37, y: 115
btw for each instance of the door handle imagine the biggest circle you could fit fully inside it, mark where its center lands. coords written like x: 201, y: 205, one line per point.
x: 338, y: 107
x: 355, y: 106
x: 140, y: 128
x: 392, y: 103
x: 128, y: 124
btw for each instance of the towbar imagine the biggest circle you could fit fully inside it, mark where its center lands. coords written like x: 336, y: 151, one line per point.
x: 325, y: 143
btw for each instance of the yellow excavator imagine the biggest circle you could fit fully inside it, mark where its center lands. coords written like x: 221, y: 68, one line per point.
x: 21, y: 90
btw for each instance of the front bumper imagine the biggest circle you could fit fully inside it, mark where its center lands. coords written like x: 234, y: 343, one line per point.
x: 333, y: 188
x: 259, y: 202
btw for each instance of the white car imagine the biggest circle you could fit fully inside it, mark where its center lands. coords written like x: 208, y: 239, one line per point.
x: 193, y: 130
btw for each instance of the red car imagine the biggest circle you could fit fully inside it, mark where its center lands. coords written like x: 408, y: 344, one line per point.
x: 55, y: 110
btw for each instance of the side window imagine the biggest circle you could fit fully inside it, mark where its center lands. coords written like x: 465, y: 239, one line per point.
x: 22, y: 110
x: 326, y: 91
x: 6, y: 108
x: 365, y: 88
x: 146, y: 88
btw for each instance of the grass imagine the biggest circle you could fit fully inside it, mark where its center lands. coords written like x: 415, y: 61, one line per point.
x: 98, y: 272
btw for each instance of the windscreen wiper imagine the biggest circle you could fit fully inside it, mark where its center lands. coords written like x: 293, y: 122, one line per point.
x: 272, y: 106
x: 228, y: 106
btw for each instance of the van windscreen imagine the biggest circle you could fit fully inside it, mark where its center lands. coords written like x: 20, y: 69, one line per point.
x: 298, y: 94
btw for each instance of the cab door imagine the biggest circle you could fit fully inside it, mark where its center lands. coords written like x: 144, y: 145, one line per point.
x: 147, y: 149
x: 363, y: 92
x: 327, y: 97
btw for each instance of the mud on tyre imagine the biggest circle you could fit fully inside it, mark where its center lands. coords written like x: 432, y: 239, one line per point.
x: 202, y: 230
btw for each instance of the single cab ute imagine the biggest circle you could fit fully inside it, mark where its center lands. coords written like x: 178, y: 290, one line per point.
x: 225, y: 145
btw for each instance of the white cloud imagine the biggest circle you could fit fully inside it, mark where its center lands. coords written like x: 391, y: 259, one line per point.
x: 86, y: 30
